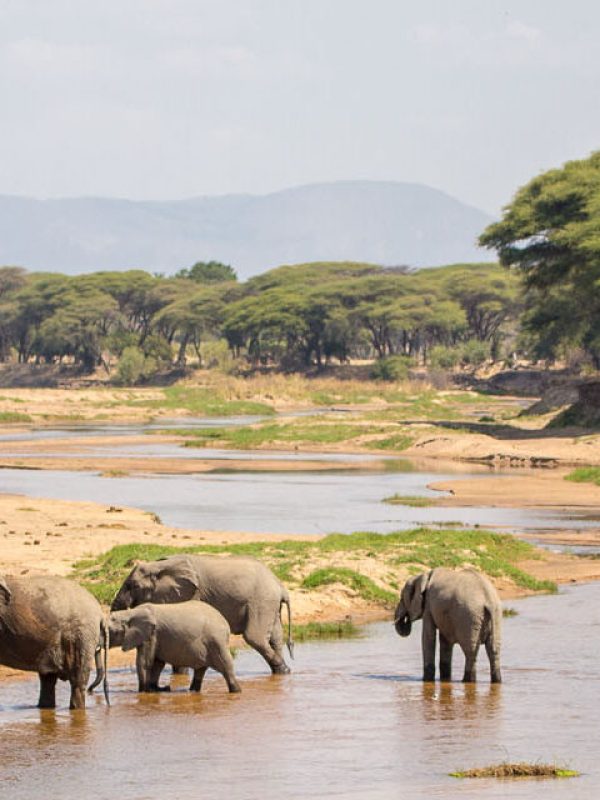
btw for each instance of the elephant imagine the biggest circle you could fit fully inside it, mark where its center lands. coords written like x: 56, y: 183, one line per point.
x: 189, y: 634
x: 243, y: 589
x: 464, y: 607
x: 53, y: 626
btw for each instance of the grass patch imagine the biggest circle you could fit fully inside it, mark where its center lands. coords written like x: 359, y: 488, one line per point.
x: 317, y: 431
x: 14, y: 416
x: 412, y: 500
x: 315, y: 563
x: 510, y: 612
x: 516, y: 770
x: 344, y: 629
x: 202, y: 401
x: 363, y: 586
x: 584, y: 475
x: 398, y: 441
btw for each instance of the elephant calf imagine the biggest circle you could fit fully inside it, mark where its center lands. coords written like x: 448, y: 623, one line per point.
x: 243, y: 589
x: 190, y: 634
x: 54, y: 627
x: 464, y: 607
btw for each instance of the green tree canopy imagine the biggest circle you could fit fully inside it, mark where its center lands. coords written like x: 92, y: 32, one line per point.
x: 550, y: 232
x: 208, y: 272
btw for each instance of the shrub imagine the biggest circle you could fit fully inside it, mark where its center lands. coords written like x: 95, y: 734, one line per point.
x: 391, y: 368
x: 133, y: 366
x: 441, y: 357
x: 475, y: 353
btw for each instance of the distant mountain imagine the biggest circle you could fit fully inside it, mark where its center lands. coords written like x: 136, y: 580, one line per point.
x: 381, y: 222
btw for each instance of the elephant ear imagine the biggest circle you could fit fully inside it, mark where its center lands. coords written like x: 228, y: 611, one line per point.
x: 139, y: 628
x: 176, y: 580
x: 5, y: 593
x: 415, y: 601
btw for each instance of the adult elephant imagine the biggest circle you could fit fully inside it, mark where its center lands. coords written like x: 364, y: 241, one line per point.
x: 245, y: 591
x: 53, y: 626
x: 464, y: 607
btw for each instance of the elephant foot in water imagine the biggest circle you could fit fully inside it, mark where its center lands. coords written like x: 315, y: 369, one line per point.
x: 280, y: 669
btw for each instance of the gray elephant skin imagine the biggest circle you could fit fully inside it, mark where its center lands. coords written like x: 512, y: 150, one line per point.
x: 245, y: 591
x: 53, y: 626
x: 189, y: 634
x: 466, y: 610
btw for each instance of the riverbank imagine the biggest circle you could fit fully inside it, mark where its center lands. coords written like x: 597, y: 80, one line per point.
x: 51, y: 536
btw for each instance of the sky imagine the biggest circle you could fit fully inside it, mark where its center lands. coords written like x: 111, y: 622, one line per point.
x: 167, y: 99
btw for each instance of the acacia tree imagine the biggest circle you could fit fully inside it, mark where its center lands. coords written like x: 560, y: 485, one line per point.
x: 550, y: 232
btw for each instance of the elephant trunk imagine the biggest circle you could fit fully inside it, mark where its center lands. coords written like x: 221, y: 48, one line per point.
x: 403, y: 625
x: 402, y: 621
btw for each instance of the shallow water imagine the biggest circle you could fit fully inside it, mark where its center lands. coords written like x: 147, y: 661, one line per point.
x: 275, y: 502
x: 352, y: 721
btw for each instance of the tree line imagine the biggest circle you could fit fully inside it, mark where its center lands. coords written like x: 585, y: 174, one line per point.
x: 543, y: 299
x: 292, y: 317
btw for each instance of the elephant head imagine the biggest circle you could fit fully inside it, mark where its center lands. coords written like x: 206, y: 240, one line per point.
x: 138, y: 628
x: 116, y: 627
x: 168, y: 580
x: 5, y: 593
x: 412, y: 603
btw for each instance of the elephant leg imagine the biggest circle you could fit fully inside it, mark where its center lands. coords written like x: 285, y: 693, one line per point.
x: 276, y: 642
x: 196, y: 684
x: 445, y: 658
x: 223, y: 663
x: 470, y: 675
x: 257, y: 635
x: 154, y: 677
x: 493, y: 653
x: 47, y: 691
x: 78, y: 682
x: 428, y: 647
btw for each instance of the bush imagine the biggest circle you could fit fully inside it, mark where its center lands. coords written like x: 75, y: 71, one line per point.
x: 391, y: 368
x: 442, y: 357
x: 475, y: 353
x: 134, y: 366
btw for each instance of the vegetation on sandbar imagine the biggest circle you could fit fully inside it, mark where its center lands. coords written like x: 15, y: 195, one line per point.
x: 366, y: 564
x: 584, y: 475
x: 518, y: 769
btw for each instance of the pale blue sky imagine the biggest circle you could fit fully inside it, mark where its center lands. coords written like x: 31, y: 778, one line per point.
x: 163, y: 99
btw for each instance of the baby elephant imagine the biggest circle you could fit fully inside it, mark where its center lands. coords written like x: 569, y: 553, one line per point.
x: 464, y: 607
x: 190, y: 634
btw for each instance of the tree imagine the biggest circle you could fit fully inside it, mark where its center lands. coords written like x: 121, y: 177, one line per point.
x: 208, y: 272
x: 550, y: 233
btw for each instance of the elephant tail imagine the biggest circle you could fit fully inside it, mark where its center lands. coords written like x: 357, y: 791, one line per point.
x: 106, y: 645
x: 285, y: 601
x: 101, y: 662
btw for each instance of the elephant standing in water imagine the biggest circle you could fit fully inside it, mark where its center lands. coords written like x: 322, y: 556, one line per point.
x: 54, y: 627
x: 464, y: 607
x: 245, y: 591
x: 191, y: 634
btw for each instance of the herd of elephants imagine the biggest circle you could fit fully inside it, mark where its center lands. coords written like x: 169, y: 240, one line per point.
x: 181, y: 611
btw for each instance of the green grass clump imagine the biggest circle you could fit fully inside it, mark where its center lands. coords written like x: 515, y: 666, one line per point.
x: 14, y: 416
x: 412, y: 500
x: 344, y: 629
x: 516, y: 770
x: 396, y: 442
x: 242, y: 438
x: 510, y: 612
x: 202, y: 402
x: 365, y: 587
x: 584, y: 475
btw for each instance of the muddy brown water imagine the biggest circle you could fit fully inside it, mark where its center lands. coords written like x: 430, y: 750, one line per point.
x: 352, y: 721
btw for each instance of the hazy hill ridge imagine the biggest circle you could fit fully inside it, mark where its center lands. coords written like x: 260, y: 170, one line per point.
x: 380, y: 222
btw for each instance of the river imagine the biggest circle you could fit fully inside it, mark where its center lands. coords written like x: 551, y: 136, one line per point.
x: 351, y: 721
